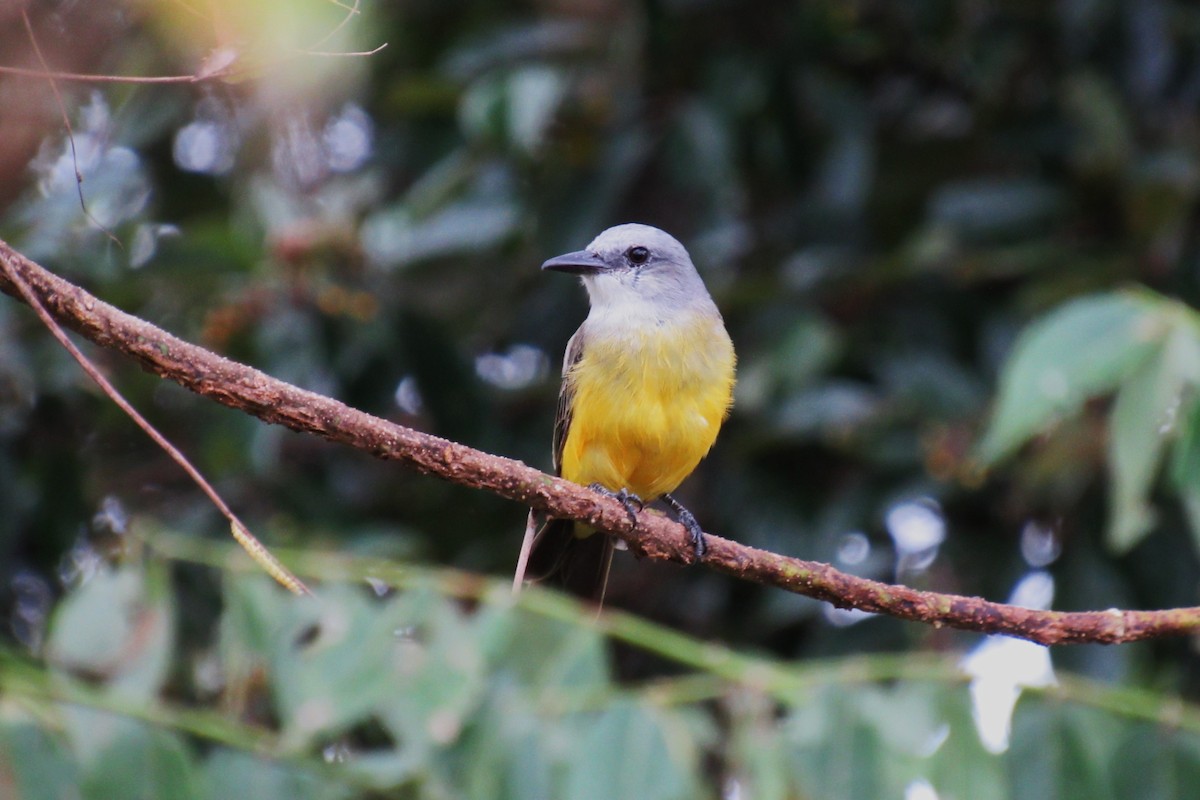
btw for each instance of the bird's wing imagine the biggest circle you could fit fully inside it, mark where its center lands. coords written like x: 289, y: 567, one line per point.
x: 579, y: 565
x: 550, y: 547
x: 537, y: 524
x: 566, y: 398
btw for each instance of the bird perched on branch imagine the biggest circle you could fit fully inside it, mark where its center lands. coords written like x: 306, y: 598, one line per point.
x: 647, y: 381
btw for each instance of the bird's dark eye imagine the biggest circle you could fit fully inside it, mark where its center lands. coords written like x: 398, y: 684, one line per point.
x: 637, y: 255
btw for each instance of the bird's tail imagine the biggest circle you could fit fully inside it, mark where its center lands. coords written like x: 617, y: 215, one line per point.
x: 566, y: 554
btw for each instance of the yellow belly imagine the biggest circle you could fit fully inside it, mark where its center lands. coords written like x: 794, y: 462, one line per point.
x: 647, y: 407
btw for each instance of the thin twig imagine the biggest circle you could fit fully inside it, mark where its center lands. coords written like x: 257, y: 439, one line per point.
x: 62, y: 109
x: 252, y: 545
x: 54, y: 75
x: 335, y: 53
x: 351, y: 13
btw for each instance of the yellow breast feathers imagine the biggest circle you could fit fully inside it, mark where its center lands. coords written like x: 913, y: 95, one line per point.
x: 647, y: 404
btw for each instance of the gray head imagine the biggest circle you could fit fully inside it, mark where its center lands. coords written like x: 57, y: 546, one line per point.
x: 631, y: 265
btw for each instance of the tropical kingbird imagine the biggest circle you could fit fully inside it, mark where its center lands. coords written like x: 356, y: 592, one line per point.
x: 646, y: 383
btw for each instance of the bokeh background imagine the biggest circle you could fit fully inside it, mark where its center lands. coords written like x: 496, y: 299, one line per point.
x: 881, y: 196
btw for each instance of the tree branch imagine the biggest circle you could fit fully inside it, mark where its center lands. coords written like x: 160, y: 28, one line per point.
x: 655, y: 536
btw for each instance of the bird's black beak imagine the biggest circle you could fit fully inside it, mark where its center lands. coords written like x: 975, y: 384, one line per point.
x: 580, y: 262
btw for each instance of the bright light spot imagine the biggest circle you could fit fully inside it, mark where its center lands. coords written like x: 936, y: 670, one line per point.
x: 297, y: 157
x: 853, y: 548
x: 1170, y: 416
x: 1040, y: 546
x: 844, y: 617
x: 920, y: 789
x: 534, y: 94
x: 145, y: 242
x: 112, y: 517
x: 115, y: 183
x: 207, y: 672
x: 204, y: 146
x: 91, y: 137
x: 1035, y: 590
x: 95, y: 115
x: 79, y: 564
x: 916, y: 525
x: 992, y: 704
x: 216, y: 61
x: 520, y: 367
x: 347, y: 139
x: 408, y: 396
x: 378, y: 586
x: 935, y: 741
x: 397, y: 237
x: 59, y: 174
x: 918, y: 530
x: 122, y: 187
x: 336, y: 753
x: 1001, y: 667
x: 732, y: 789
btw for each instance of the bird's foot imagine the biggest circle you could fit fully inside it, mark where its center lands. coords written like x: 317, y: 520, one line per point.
x: 688, y: 521
x: 626, y: 498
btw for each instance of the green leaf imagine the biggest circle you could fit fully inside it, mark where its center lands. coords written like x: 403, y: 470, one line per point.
x: 808, y: 348
x: 118, y: 625
x: 631, y: 752
x: 1062, y: 752
x: 231, y: 773
x: 1144, y: 415
x: 142, y: 762
x: 35, y: 764
x: 1156, y: 763
x: 1185, y: 466
x: 961, y: 766
x: 438, y: 679
x: 880, y: 741
x: 569, y: 656
x: 333, y: 661
x: 253, y: 605
x: 506, y: 753
x: 1082, y: 349
x: 758, y: 756
x: 927, y: 733
x: 833, y: 753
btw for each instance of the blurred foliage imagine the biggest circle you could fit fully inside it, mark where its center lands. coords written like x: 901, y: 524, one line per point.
x: 904, y: 211
x: 413, y: 693
x: 1145, y: 347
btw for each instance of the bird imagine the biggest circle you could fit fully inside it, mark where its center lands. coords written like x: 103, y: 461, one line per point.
x: 647, y: 381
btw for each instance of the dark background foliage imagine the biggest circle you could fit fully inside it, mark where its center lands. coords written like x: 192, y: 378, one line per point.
x: 881, y: 196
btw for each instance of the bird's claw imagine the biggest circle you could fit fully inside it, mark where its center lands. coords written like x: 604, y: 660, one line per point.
x: 685, y: 518
x: 626, y: 498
